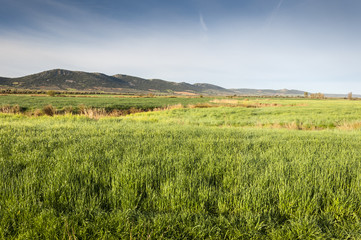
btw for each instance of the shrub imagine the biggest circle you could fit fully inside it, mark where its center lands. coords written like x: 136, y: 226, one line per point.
x: 68, y: 110
x: 37, y: 113
x: 10, y: 109
x: 81, y: 109
x: 51, y: 93
x: 49, y: 110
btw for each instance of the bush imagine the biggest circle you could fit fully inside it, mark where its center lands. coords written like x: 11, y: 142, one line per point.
x: 10, y: 109
x: 51, y: 93
x: 49, y: 110
x: 68, y: 110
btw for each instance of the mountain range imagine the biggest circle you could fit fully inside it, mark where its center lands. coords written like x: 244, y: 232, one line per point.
x: 65, y: 80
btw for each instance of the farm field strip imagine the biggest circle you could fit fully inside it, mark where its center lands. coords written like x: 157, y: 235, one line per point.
x: 107, y: 102
x: 301, y: 115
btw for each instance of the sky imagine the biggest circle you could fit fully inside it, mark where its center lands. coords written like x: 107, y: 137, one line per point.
x: 309, y: 45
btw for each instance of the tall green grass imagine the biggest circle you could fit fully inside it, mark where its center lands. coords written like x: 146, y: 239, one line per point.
x: 119, y: 178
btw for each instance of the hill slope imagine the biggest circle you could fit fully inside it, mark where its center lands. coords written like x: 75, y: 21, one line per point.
x: 267, y: 92
x: 59, y: 79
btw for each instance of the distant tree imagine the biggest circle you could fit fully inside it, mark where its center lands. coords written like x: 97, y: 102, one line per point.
x: 317, y: 95
x: 305, y: 94
x: 51, y: 93
x: 349, y: 96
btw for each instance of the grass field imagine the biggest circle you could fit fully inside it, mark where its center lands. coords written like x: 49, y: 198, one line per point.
x: 28, y: 102
x: 281, y: 113
x: 262, y: 169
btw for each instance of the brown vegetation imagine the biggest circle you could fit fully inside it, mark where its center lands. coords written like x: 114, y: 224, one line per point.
x: 350, y: 126
x: 349, y: 96
x: 225, y: 101
x: 317, y: 96
x: 10, y: 109
x: 49, y: 110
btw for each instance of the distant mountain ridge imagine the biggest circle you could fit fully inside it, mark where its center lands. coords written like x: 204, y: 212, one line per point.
x: 62, y: 80
x: 66, y: 80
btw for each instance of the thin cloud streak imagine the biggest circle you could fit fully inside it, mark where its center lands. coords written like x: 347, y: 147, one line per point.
x: 202, y: 22
x: 274, y: 13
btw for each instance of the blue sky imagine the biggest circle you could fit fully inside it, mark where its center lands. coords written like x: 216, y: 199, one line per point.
x: 311, y: 45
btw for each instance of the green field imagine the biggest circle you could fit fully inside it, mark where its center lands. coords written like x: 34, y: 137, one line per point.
x: 261, y: 169
x: 28, y: 102
x: 271, y: 113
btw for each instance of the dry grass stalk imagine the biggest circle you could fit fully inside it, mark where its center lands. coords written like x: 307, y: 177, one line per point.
x: 169, y: 107
x: 201, y: 105
x: 68, y: 110
x: 37, y: 113
x: 350, y: 126
x: 94, y: 113
x: 225, y: 101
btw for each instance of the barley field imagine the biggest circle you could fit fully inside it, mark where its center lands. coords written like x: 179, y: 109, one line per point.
x: 211, y: 169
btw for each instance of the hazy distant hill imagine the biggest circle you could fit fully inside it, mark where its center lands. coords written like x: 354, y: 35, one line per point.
x: 331, y: 95
x: 59, y: 79
x: 166, y: 86
x: 267, y: 92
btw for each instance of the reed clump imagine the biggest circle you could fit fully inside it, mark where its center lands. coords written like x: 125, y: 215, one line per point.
x: 7, y: 108
x: 49, y: 110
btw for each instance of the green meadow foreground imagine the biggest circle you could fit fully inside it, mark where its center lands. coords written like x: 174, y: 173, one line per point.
x: 256, y: 169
